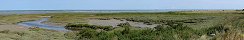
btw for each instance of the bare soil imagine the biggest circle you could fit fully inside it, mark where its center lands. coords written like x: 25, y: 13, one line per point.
x: 114, y: 23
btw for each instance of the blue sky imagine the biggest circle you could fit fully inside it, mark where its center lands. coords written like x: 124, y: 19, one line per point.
x: 118, y: 4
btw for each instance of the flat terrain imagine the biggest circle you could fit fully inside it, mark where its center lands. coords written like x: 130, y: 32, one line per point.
x: 190, y: 25
x: 13, y: 28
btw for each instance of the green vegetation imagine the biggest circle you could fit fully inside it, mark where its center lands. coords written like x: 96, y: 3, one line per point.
x: 13, y: 19
x: 173, y: 26
x: 32, y: 34
x: 127, y: 32
x: 80, y: 26
x: 197, y: 25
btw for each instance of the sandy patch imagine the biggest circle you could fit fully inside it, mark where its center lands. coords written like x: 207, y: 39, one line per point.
x: 114, y: 23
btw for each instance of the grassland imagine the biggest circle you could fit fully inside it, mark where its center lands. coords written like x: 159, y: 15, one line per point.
x: 189, y: 26
x: 11, y: 31
x: 221, y: 25
x: 15, y: 18
x: 32, y: 34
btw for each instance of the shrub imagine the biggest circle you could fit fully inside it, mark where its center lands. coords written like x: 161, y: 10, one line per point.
x: 171, y: 30
x: 87, y: 33
x: 126, y: 30
x: 5, y: 31
x: 215, y: 29
x: 80, y: 26
x: 124, y: 24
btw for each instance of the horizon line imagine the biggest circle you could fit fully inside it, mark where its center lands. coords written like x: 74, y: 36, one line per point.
x: 111, y: 9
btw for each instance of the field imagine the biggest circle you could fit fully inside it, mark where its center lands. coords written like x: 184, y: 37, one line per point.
x: 196, y: 25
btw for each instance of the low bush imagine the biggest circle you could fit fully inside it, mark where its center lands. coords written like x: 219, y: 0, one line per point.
x: 173, y: 32
x: 5, y: 31
x: 124, y: 24
x: 80, y: 26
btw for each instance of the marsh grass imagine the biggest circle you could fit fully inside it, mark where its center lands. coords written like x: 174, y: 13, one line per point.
x: 173, y: 26
x: 131, y: 33
x: 41, y: 34
x: 14, y: 19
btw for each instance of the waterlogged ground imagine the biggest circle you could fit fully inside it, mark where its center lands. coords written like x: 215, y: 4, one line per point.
x: 39, y: 24
x: 9, y: 30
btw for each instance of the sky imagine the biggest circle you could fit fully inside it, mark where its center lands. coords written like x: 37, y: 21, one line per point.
x: 118, y: 4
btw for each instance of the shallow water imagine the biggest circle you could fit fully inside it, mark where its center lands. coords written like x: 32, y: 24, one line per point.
x: 112, y: 22
x: 38, y: 23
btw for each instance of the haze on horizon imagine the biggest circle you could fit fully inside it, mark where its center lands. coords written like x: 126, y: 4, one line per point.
x: 118, y: 4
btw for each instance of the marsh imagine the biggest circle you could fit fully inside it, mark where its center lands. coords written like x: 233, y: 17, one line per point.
x: 121, y: 20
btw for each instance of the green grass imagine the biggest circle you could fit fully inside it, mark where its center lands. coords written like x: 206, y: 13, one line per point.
x: 33, y: 34
x: 173, y: 26
x: 13, y: 19
x: 204, y: 24
x: 127, y: 32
